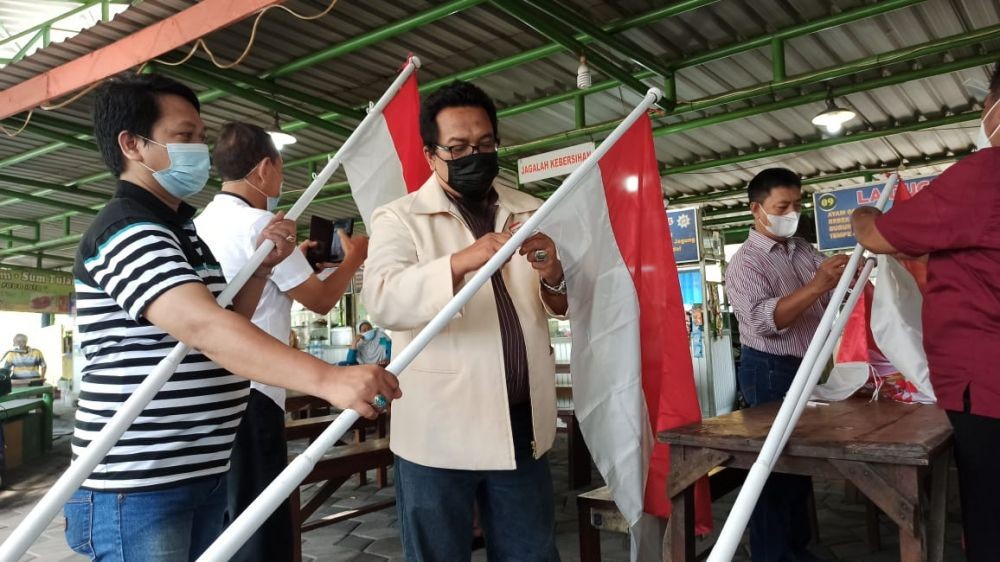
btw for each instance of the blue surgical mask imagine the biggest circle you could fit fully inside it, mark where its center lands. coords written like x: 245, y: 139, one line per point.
x: 188, y: 171
x: 369, y: 335
x: 272, y: 202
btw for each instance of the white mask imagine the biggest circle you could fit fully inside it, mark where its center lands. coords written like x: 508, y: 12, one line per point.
x: 983, y: 140
x: 783, y: 226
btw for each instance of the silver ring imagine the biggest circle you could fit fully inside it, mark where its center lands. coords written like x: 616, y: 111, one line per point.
x: 380, y: 403
x: 290, y: 238
x: 541, y: 255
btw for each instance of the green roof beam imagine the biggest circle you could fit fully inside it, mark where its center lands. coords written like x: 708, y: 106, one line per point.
x: 556, y: 31
x: 381, y: 34
x: 46, y: 201
x: 569, y: 137
x: 821, y: 178
x: 624, y: 47
x: 52, y: 187
x: 248, y: 80
x: 839, y: 71
x: 35, y: 29
x: 19, y: 222
x: 824, y: 143
x: 647, y: 18
x: 542, y: 52
x: 18, y: 239
x: 206, y: 79
x: 60, y: 242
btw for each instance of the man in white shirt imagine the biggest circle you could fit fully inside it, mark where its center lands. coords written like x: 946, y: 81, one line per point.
x: 251, y: 170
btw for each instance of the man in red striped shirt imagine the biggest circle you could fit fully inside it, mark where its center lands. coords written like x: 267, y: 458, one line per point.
x: 779, y: 286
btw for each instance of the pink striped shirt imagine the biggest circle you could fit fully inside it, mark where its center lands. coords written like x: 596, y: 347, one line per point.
x: 759, y: 275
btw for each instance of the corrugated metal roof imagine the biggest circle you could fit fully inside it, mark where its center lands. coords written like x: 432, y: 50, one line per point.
x: 19, y: 16
x: 485, y: 33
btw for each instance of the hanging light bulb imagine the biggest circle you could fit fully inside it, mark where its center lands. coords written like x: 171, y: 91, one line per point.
x: 583, y: 78
x: 278, y: 137
x: 833, y: 118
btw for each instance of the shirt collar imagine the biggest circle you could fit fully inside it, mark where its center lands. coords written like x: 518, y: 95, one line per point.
x: 129, y: 190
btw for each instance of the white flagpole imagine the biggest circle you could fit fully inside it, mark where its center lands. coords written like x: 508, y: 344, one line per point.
x: 39, y: 517
x: 820, y: 348
x: 233, y: 537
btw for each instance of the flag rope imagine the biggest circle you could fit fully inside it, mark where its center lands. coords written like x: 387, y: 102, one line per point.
x: 808, y: 374
x: 39, y: 517
x: 240, y: 530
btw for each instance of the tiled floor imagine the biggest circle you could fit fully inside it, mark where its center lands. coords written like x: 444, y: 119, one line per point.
x: 374, y: 537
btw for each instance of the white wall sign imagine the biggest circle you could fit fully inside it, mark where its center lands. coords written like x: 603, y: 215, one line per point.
x: 551, y: 164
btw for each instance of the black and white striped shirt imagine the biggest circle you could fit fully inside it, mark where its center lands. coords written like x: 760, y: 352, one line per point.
x: 136, y: 249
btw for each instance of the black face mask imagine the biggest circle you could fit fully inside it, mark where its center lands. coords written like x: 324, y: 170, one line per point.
x: 472, y: 176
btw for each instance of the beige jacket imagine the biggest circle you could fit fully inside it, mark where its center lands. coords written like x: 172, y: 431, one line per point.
x: 454, y: 411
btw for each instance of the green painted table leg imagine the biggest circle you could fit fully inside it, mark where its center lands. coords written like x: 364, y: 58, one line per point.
x: 47, y: 420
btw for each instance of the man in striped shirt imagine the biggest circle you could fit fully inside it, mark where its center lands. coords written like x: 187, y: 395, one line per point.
x: 144, y: 281
x: 779, y: 286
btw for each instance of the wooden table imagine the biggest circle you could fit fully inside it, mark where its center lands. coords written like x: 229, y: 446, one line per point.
x: 896, y: 454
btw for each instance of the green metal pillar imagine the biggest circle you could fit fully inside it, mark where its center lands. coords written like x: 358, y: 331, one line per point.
x: 670, y: 91
x: 580, y: 111
x: 778, y: 59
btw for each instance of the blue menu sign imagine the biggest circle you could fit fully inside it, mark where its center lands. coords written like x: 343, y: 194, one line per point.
x: 834, y: 208
x: 684, y: 234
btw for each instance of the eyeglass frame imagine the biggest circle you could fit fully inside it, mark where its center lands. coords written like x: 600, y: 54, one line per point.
x: 476, y: 148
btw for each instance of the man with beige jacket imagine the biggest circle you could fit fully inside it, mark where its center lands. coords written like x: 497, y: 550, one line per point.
x: 479, y: 411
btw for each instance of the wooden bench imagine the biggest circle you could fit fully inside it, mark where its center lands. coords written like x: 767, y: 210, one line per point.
x: 331, y: 472
x: 596, y: 510
x: 310, y: 428
x: 336, y: 467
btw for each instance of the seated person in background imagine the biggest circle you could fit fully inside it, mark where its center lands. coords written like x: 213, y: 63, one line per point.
x: 252, y: 175
x: 368, y: 347
x: 25, y: 363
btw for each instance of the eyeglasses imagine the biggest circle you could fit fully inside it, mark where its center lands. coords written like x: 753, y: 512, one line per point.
x: 463, y: 150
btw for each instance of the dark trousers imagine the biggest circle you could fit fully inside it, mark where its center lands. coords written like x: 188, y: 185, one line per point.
x: 779, y: 526
x: 977, y: 454
x: 516, y: 507
x: 260, y: 453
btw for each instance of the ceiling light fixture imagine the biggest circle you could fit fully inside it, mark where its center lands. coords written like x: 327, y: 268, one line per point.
x: 583, y: 78
x: 833, y: 118
x: 278, y: 137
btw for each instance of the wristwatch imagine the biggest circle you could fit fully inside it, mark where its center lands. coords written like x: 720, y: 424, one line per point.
x: 559, y: 289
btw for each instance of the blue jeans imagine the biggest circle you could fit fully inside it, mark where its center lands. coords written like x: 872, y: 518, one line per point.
x: 516, y: 508
x: 165, y: 525
x: 779, y: 526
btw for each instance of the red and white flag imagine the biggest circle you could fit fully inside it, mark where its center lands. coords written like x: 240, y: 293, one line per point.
x: 896, y: 321
x: 632, y: 372
x: 881, y: 350
x: 387, y: 161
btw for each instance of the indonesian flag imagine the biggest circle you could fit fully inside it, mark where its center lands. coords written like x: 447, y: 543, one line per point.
x: 632, y: 372
x: 896, y: 322
x: 387, y: 161
x: 881, y: 348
